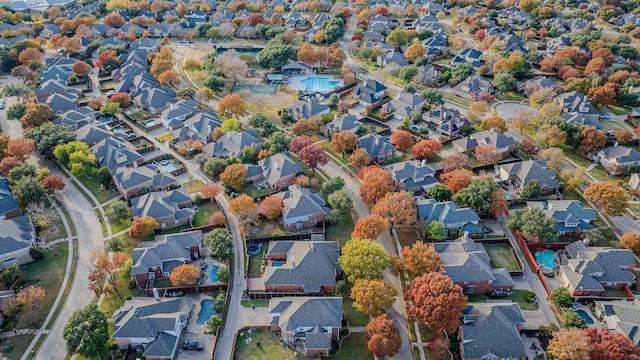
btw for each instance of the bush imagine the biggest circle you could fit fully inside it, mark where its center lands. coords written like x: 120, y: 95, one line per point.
x: 340, y: 286
x: 174, y: 186
x: 529, y: 295
x: 562, y: 297
x: 197, y: 199
x: 36, y: 253
x: 223, y: 274
x: 218, y: 305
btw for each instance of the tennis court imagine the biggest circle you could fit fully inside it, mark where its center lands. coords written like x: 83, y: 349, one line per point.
x: 255, y: 88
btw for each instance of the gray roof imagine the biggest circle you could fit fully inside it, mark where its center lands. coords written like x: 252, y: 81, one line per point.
x: 232, y: 143
x: 7, y: 202
x: 92, y: 134
x: 159, y: 204
x: 566, y: 211
x: 310, y: 264
x: 413, y: 174
x: 302, y: 202
x: 490, y: 329
x: 375, y: 144
x: 314, y: 312
x: 344, y: 122
x: 589, y: 266
x: 533, y: 170
x: 157, y: 98
x: 164, y: 249
x: 308, y: 108
x: 575, y: 101
x: 446, y: 212
x: 278, y: 166
x: 622, y: 316
x: 133, y: 177
x: 114, y: 152
x: 17, y: 233
x: 621, y: 154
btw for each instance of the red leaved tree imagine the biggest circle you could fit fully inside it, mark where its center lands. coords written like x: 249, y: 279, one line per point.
x: 382, y: 337
x: 313, y: 155
x: 401, y: 139
x: 210, y: 191
x: 427, y: 149
x: 142, y: 227
x: 457, y: 179
x: 52, y: 183
x: 376, y: 183
x: 81, y: 68
x: 369, y: 227
x: 299, y: 143
x: 271, y: 207
x: 185, y: 274
x: 20, y: 148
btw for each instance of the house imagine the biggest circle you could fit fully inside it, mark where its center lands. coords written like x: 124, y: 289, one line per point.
x: 130, y: 181
x: 158, y: 258
x: 413, y: 175
x: 92, y: 134
x: 16, y: 239
x: 304, y: 109
x: 427, y: 75
x: 114, y: 152
x: 279, y: 170
x: 448, y: 213
x: 154, y: 324
x: 446, y: 121
x: 54, y: 86
x: 403, y: 104
x: 369, y: 92
x: 615, y: 158
x: 60, y: 103
x: 558, y: 43
x: 577, y: 108
x: 155, y: 99
x: 199, y: 127
x: 468, y: 265
x: 378, y: 148
x: 169, y: 208
x: 315, y: 321
x: 590, y: 271
x: 370, y: 35
x: 473, y: 87
x: 634, y: 182
x: 341, y: 123
x: 468, y: 56
x: 303, y: 207
x: 246, y: 31
x: 174, y: 116
x: 76, y: 118
x: 517, y: 175
x: 296, y: 68
x: 232, y: 143
x: 295, y: 20
x: 391, y: 57
x: 536, y: 84
x: 436, y: 42
x: 9, y: 207
x: 504, y: 144
x: 570, y: 216
x: 309, y: 267
x: 491, y: 331
x: 622, y: 316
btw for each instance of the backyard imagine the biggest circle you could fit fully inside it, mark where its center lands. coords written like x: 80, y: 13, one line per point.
x: 502, y: 257
x: 353, y: 347
x: 270, y: 347
x: 340, y: 232
x: 407, y: 236
x: 255, y: 262
x: 518, y: 297
x: 205, y: 209
x: 193, y: 186
x: 254, y: 192
x: 351, y: 314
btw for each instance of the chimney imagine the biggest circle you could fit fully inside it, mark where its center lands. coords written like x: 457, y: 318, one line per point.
x: 615, y: 144
x: 171, y: 106
x: 424, y: 162
x: 550, y: 206
x: 276, y: 165
x: 311, y: 247
x: 365, y: 83
x: 491, y: 130
x: 135, y: 164
x: 335, y: 116
x: 293, y: 263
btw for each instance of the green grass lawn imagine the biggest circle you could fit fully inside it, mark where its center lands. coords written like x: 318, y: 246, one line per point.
x: 109, y: 85
x: 501, y: 256
x: 193, y: 186
x: 48, y: 273
x: 255, y: 302
x: 518, y: 297
x: 340, y: 232
x: 205, y: 209
x: 122, y: 225
x: 611, y: 125
x: 166, y: 137
x: 619, y: 110
x: 327, y: 147
x: 351, y: 314
x: 570, y: 153
x: 270, y: 347
x: 456, y: 99
x: 20, y: 345
x: 511, y: 96
x: 352, y: 348
x: 113, y: 300
x: 255, y: 262
x: 253, y: 191
x: 93, y: 185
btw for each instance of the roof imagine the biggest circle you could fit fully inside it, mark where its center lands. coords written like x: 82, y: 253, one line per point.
x: 308, y: 108
x: 413, y: 174
x: 315, y: 312
x: 164, y: 248
x: 302, y: 203
x: 277, y: 166
x: 344, y: 122
x: 490, y: 329
x: 310, y: 264
x: 232, y: 143
x: 495, y: 138
x: 159, y: 204
x: 590, y: 265
x: 17, y: 233
x: 92, y: 134
x: 532, y: 170
x: 132, y: 177
x: 7, y: 201
x: 446, y: 212
x: 114, y: 152
x: 566, y: 212
x: 375, y: 144
x: 575, y: 101
x: 622, y: 316
x: 621, y: 154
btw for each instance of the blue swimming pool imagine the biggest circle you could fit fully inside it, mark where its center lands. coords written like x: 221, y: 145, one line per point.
x: 547, y: 259
x: 118, y: 128
x: 587, y: 319
x: 320, y: 84
x: 211, y: 271
x: 206, y: 311
x: 278, y: 263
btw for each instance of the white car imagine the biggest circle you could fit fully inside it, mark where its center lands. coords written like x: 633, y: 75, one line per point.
x: 1, y: 103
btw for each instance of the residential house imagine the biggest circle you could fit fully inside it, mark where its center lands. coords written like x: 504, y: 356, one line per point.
x: 246, y: 31
x: 199, y: 127
x: 391, y: 57
x: 473, y: 87
x: 468, y: 56
x: 427, y: 75
x: 130, y: 181
x: 517, y: 175
x: 468, y: 265
x: 159, y: 30
x: 315, y: 321
x: 621, y: 316
x: 449, y: 214
x: 279, y: 170
x: 403, y: 104
x: 431, y: 8
x: 155, y: 99
x: 445, y: 121
x: 369, y: 92
x: 592, y: 270
x: 232, y: 143
x: 413, y: 175
x: 61, y: 103
x: 558, y: 43
x: 491, y: 331
x: 303, y: 207
x: 570, y: 215
x: 9, y: 207
x: 436, y: 42
x: 158, y: 258
x: 536, y: 84
x: 16, y: 239
x: 374, y: 36
x: 54, y: 86
x: 378, y: 148
x: 92, y: 134
x: 146, y: 44
x: 169, y: 208
x: 155, y: 324
x: 304, y: 109
x: 76, y: 118
x: 113, y: 152
x: 577, y: 108
x: 308, y: 267
x: 174, y: 116
x: 504, y: 144
x: 616, y: 158
x: 295, y: 20
x: 341, y: 123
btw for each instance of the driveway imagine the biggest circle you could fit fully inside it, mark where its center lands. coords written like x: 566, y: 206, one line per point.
x: 207, y: 339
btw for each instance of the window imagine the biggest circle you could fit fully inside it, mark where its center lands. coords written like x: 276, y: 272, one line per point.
x: 299, y: 225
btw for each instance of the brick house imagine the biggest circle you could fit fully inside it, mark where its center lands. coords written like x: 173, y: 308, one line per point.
x: 279, y: 170
x: 378, y: 148
x: 169, y: 208
x: 520, y: 173
x: 504, y: 144
x: 303, y: 207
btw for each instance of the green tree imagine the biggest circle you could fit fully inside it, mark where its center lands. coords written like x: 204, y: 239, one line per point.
x: 334, y: 28
x: 86, y: 333
x: 440, y: 192
x: 332, y: 185
x: 435, y: 231
x: 260, y: 123
x: 398, y: 37
x: 16, y: 111
x: 230, y: 125
x: 118, y: 211
x: 433, y: 97
x: 28, y: 190
x: 223, y: 274
x: 531, y: 189
x: 220, y: 242
x: 334, y: 99
x: 571, y: 319
x: 477, y: 195
x: 504, y: 81
x: 408, y: 72
x: 49, y: 135
x: 22, y: 171
x: 9, y: 274
x: 460, y: 72
x: 214, y: 82
x: 104, y: 177
x: 340, y: 204
x: 77, y: 157
x: 276, y: 53
x: 110, y: 108
x: 278, y: 142
x: 363, y: 259
x: 562, y: 297
x: 250, y: 153
x: 534, y: 224
x: 186, y: 92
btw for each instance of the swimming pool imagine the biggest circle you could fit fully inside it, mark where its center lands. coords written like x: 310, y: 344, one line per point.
x: 547, y: 259
x: 320, y: 84
x: 212, y: 272
x: 118, y: 128
x: 106, y: 120
x: 206, y: 311
x: 587, y: 319
x: 150, y: 122
x: 167, y: 166
x: 278, y: 263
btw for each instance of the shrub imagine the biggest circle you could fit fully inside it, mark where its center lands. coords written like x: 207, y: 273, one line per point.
x: 36, y: 253
x: 340, y: 286
x: 223, y: 274
x: 529, y: 295
x: 197, y: 199
x: 218, y: 306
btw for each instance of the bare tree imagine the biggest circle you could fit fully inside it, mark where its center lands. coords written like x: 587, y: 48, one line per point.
x: 231, y: 65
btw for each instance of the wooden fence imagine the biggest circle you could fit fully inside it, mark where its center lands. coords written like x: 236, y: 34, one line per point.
x: 505, y: 241
x: 532, y: 261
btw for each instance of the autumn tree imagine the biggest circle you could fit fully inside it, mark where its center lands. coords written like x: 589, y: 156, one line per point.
x: 232, y: 105
x: 487, y: 153
x: 605, y: 344
x: 304, y: 127
x: 415, y: 51
x: 314, y: 156
x: 595, y: 66
x: 344, y: 141
x: 372, y: 296
x: 244, y: 208
x: 376, y: 183
x: 35, y: 115
x: 623, y: 136
x: 382, y: 337
x: 607, y: 198
x: 234, y: 176
x: 436, y: 301
x: 478, y: 195
x: 168, y: 77
x: 631, y: 241
x: 30, y: 55
x: 495, y: 122
x: 457, y: 179
x: 114, y: 20
x: 398, y: 208
x: 401, y: 139
x: 271, y: 207
x: 456, y: 162
x: 427, y: 149
x: 550, y: 135
x: 592, y: 137
x: 30, y: 300
x: 299, y: 142
x: 184, y: 275
x: 554, y: 158
x: 81, y: 68
x: 52, y: 183
x: 417, y: 260
x: 210, y: 191
x: 529, y: 147
x: 369, y: 227
x: 363, y: 259
x: 19, y: 148
x: 143, y: 226
x: 602, y: 95
x: 569, y: 344
x: 360, y: 158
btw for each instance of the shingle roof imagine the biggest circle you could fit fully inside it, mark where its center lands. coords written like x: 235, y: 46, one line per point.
x: 159, y: 204
x: 375, y: 144
x: 17, y: 233
x: 301, y: 202
x: 133, y: 177
x: 162, y: 249
x: 533, y: 170
x: 278, y: 166
x: 446, y: 212
x: 307, y: 312
x: 309, y: 264
x: 232, y: 143
x: 492, y: 332
x: 344, y: 123
x: 588, y: 267
x: 113, y: 153
x: 7, y: 201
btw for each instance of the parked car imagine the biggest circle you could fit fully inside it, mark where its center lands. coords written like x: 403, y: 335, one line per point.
x: 605, y: 116
x: 1, y: 103
x: 485, y: 231
x: 192, y: 345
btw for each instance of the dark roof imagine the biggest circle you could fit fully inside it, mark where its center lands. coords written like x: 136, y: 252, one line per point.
x: 375, y: 144
x: 162, y: 249
x: 232, y: 143
x: 7, y: 201
x: 278, y: 166
x: 310, y: 264
x: 490, y: 329
x: 314, y: 312
x: 533, y: 170
x: 17, y: 233
x: 159, y: 204
x: 301, y: 203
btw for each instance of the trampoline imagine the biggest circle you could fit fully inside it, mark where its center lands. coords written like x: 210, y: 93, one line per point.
x: 255, y: 88
x: 253, y: 249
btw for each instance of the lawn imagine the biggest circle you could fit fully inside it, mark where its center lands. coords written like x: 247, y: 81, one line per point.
x: 511, y: 96
x: 113, y: 300
x: 406, y: 236
x: 48, y: 273
x: 20, y: 344
x: 611, y: 125
x: 518, y: 297
x: 122, y: 225
x: 255, y: 262
x: 340, y: 232
x: 254, y: 192
x: 108, y: 85
x: 570, y: 153
x: 255, y: 302
x: 353, y: 347
x: 619, y: 110
x: 93, y: 185
x: 205, y: 209
x: 57, y: 229
x: 193, y: 186
x: 456, y: 99
x: 166, y: 137
x: 351, y: 314
x: 502, y: 257
x: 270, y: 347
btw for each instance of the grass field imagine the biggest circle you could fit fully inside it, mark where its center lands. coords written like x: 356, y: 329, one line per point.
x: 611, y: 125
x: 193, y: 186
x: 93, y: 185
x: 351, y: 314
x: 122, y: 225
x: 270, y: 347
x: 518, y: 297
x: 20, y: 344
x: 255, y: 302
x: 254, y: 192
x: 406, y: 236
x: 619, y: 110
x: 166, y: 137
x: 205, y: 209
x: 255, y: 262
x: 340, y: 232
x: 501, y: 256
x: 352, y: 348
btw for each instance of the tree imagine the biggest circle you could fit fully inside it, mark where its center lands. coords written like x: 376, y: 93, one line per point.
x: 77, y: 157
x: 369, y: 227
x: 602, y: 95
x: 569, y: 344
x: 232, y: 105
x: 230, y: 125
x: 231, y: 65
x: 401, y: 139
x: 271, y: 207
x: 35, y: 115
x: 595, y: 66
x: 435, y: 231
x: 631, y: 241
x: 22, y: 171
x: 504, y: 81
x: 605, y: 345
x: 571, y: 319
x: 359, y: 158
x: 436, y: 301
x: 118, y: 211
x: 23, y: 72
x: 86, y: 332
x: 332, y: 185
x: 27, y: 190
x: 16, y: 111
x: 363, y: 259
x: 313, y: 155
x: 477, y: 195
x: 9, y: 274
x: 276, y: 53
x: 593, y: 137
x: 303, y: 127
x: 81, y: 68
x: 487, y: 153
x: 143, y: 226
x: 623, y: 136
x: 415, y: 51
x: 344, y: 141
x: 573, y: 179
x: 234, y: 176
x: 210, y: 191
x: 340, y: 204
x: 184, y: 275
x: 417, y: 260
x: 278, y: 142
x: 19, y: 148
x: 262, y: 125
x: 550, y: 135
x: 562, y: 297
x: 110, y: 108
x: 554, y: 158
x: 114, y: 20
x: 427, y: 149
x: 299, y: 142
x: 440, y: 192
x: 213, y: 83
x: 397, y: 208
x: 108, y: 60
x: 382, y: 337
x: 52, y: 183
x: 397, y: 38
x: 457, y: 179
x: 244, y: 208
x: 8, y: 163
x: 534, y: 224
x: 607, y: 198
x: 495, y: 122
x: 124, y: 100
x: 529, y: 147
x: 217, y: 218
x: 220, y: 242
x: 30, y: 55
x: 30, y: 299
x: 456, y: 162
x: 433, y: 97
x: 531, y: 189
x: 169, y: 77
x: 371, y: 296
x: 334, y: 28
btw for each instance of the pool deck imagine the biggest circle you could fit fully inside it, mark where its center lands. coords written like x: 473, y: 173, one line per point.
x: 296, y: 81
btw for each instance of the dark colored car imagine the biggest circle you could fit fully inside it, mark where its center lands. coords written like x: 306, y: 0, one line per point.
x: 486, y: 231
x: 192, y: 345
